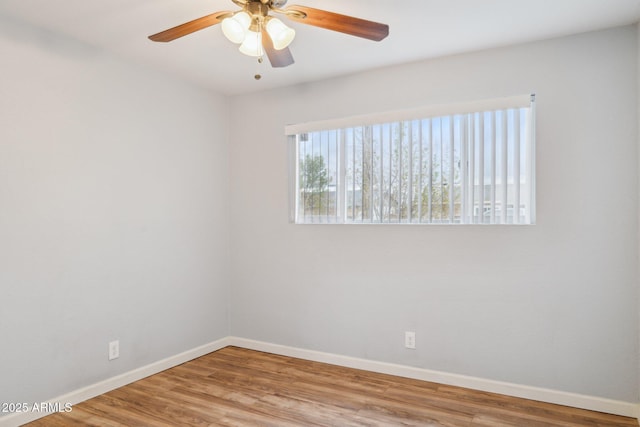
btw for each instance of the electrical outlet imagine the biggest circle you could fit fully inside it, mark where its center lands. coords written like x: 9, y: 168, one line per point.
x: 114, y: 350
x: 410, y: 340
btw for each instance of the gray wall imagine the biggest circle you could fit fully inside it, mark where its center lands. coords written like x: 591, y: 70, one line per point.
x: 113, y: 215
x: 552, y: 305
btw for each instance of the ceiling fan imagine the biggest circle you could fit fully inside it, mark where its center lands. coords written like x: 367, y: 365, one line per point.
x: 257, y: 32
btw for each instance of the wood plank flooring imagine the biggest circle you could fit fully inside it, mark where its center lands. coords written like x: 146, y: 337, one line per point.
x: 239, y: 387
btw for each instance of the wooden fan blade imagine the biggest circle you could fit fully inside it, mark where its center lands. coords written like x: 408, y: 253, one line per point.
x: 278, y: 58
x: 189, y: 27
x: 337, y: 22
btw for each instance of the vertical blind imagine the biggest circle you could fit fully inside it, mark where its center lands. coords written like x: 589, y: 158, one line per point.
x: 469, y: 163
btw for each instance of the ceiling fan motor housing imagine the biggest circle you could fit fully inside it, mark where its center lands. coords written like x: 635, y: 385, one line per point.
x: 257, y: 8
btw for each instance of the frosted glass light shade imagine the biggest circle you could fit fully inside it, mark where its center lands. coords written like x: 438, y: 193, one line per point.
x: 252, y: 44
x: 236, y: 27
x: 281, y: 35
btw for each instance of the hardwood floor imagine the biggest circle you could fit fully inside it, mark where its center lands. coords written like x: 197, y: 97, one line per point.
x: 239, y: 387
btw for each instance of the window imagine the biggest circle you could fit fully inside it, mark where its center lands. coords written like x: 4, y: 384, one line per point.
x: 454, y: 164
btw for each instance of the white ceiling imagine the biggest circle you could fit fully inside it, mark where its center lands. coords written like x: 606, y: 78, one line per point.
x: 419, y: 29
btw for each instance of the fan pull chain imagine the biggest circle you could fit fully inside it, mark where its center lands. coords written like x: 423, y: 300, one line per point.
x: 258, y: 76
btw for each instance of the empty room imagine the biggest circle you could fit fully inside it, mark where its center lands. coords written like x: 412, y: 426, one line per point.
x: 320, y: 213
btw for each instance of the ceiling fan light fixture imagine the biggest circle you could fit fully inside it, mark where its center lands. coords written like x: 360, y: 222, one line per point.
x: 236, y: 27
x: 252, y: 44
x: 259, y: 34
x: 281, y: 35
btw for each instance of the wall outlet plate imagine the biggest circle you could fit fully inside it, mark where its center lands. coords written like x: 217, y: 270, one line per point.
x: 410, y: 340
x: 114, y: 350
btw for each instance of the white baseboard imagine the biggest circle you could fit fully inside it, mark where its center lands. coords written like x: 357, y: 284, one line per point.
x: 77, y: 396
x: 592, y: 403
x: 541, y: 394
